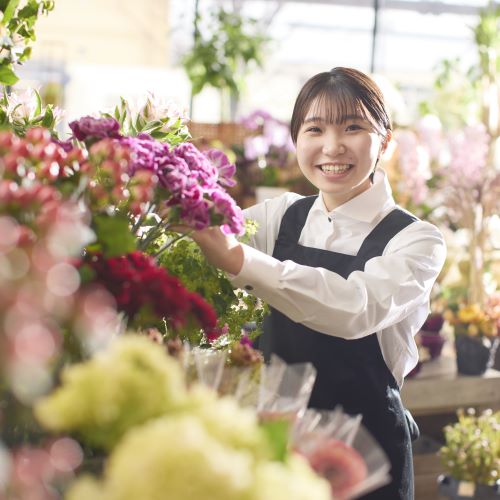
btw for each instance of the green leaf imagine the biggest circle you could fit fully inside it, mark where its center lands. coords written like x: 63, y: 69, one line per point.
x: 114, y: 235
x: 277, y: 433
x: 8, y: 7
x: 87, y: 274
x: 48, y: 119
x: 38, y: 108
x: 7, y: 75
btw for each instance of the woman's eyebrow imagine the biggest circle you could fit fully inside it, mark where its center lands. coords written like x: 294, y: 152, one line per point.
x: 344, y: 119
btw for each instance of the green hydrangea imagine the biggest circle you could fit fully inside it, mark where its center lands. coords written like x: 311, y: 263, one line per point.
x: 234, y: 426
x: 100, y: 400
x: 292, y: 480
x: 176, y: 458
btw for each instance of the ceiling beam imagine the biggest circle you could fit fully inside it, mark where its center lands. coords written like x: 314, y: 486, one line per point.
x: 424, y: 6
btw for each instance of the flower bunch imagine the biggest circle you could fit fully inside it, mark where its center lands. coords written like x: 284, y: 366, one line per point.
x: 472, y: 320
x: 133, y: 393
x: 142, y: 288
x: 100, y: 400
x: 185, y: 185
x: 267, y: 152
x: 110, y: 185
x: 37, y: 157
x: 472, y: 448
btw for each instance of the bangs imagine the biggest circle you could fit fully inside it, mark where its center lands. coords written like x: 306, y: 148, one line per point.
x: 337, y: 105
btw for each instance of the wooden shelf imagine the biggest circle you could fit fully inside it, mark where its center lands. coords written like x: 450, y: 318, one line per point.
x: 439, y: 389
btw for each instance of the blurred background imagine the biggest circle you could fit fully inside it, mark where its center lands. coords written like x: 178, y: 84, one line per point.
x: 90, y: 52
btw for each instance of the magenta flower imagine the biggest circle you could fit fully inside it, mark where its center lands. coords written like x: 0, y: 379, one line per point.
x: 89, y: 128
x: 226, y: 169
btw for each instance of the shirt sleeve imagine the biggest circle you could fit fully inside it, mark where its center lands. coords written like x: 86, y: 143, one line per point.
x: 268, y: 215
x: 389, y: 288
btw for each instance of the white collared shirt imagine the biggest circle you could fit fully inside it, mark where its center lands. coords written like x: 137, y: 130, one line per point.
x: 390, y: 296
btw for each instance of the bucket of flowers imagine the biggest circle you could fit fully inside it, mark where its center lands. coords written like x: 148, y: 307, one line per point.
x: 471, y: 456
x: 476, y: 335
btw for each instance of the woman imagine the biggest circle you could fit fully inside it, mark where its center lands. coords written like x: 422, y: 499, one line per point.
x: 347, y: 273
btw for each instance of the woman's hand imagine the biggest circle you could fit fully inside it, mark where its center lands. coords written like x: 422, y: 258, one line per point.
x: 222, y: 251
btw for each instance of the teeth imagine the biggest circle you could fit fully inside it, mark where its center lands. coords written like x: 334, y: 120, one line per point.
x: 335, y: 169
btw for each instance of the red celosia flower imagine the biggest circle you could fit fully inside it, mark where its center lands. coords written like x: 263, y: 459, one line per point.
x: 136, y: 282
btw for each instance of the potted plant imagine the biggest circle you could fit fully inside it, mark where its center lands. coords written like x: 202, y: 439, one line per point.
x: 430, y: 334
x: 471, y: 456
x: 476, y: 337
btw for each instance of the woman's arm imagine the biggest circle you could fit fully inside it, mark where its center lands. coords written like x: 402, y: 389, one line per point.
x: 389, y: 289
x: 222, y: 251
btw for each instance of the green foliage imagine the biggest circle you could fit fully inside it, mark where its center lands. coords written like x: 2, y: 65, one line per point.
x: 185, y: 260
x: 487, y: 38
x: 459, y: 89
x: 114, y: 235
x: 162, y: 126
x: 17, y: 30
x: 229, y: 47
x: 472, y: 447
x: 278, y: 434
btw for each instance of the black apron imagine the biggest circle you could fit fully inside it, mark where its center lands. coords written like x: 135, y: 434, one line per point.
x: 351, y: 373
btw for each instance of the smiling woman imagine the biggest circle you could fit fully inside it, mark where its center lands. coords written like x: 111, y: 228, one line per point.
x: 347, y: 273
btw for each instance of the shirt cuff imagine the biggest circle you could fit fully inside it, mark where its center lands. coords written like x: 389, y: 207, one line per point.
x: 258, y: 268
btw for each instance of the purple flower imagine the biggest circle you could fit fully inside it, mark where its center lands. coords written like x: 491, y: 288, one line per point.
x: 255, y: 147
x: 433, y: 323
x: 255, y: 119
x: 66, y: 145
x: 226, y: 206
x: 245, y: 340
x: 276, y: 133
x: 198, y: 164
x: 226, y: 169
x: 95, y: 128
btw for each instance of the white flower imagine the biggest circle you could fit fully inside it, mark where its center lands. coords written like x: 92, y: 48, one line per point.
x: 22, y: 105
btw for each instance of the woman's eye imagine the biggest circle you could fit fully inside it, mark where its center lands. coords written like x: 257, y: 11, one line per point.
x: 353, y: 126
x: 313, y: 129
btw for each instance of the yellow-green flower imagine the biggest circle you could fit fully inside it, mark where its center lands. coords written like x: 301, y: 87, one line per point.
x: 470, y: 313
x: 127, y: 385
x: 293, y: 480
x: 177, y: 458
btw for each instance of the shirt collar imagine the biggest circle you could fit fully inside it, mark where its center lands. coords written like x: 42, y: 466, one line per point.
x: 367, y: 205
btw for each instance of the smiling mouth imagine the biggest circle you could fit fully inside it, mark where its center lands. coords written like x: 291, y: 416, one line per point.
x: 335, y: 169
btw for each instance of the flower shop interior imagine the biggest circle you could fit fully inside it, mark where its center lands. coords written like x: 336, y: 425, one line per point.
x: 130, y: 366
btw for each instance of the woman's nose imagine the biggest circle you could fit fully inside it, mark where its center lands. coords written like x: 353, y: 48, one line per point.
x: 333, y: 147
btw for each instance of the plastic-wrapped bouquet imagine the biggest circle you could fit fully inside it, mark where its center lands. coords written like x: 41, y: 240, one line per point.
x: 132, y: 400
x: 342, y: 451
x: 335, y: 444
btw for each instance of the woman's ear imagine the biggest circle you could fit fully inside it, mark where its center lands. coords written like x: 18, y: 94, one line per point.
x: 385, y: 141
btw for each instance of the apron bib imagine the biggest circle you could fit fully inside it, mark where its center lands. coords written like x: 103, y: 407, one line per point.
x: 351, y: 373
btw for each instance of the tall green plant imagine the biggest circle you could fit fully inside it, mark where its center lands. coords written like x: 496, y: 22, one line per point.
x: 17, y: 32
x: 466, y: 93
x: 223, y: 53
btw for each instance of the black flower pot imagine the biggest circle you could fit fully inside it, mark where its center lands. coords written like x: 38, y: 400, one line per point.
x: 453, y: 488
x: 474, y: 354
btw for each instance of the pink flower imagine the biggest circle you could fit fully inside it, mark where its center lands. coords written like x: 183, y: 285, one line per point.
x: 226, y: 169
x: 469, y: 152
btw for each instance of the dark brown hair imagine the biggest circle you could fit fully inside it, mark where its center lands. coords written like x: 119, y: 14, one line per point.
x: 344, y: 91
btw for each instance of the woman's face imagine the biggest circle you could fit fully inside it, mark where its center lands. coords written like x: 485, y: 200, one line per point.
x: 338, y: 158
